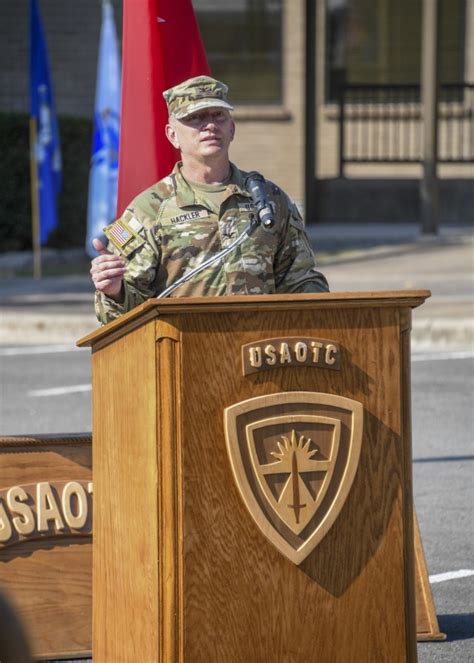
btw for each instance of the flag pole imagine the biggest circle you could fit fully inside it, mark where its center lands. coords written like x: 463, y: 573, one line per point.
x: 34, y: 202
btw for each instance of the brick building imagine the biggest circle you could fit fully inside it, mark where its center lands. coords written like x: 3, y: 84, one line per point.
x: 286, y: 62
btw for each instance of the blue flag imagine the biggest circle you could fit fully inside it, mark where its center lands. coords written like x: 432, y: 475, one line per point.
x: 104, y: 165
x: 46, y: 152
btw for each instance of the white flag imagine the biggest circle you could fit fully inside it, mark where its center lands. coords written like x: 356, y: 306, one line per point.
x: 103, y: 177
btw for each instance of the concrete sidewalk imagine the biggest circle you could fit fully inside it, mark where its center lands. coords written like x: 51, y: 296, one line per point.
x: 372, y: 257
x: 353, y: 257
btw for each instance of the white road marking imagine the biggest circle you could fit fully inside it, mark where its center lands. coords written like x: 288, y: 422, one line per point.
x: 60, y: 391
x: 451, y: 575
x: 442, y: 355
x: 38, y: 350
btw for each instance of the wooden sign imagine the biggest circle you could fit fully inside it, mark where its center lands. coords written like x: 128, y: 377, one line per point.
x: 45, y: 509
x: 45, y: 539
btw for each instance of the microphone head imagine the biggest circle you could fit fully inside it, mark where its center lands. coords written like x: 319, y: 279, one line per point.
x: 254, y: 176
x: 255, y: 185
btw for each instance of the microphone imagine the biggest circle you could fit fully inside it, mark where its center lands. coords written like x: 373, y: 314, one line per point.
x: 255, y: 185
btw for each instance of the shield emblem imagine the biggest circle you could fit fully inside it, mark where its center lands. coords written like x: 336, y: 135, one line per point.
x: 294, y: 456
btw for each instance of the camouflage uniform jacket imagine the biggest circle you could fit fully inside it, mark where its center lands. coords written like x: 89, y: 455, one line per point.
x: 170, y: 228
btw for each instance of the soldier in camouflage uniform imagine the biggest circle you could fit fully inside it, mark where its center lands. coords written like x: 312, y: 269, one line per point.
x: 195, y: 212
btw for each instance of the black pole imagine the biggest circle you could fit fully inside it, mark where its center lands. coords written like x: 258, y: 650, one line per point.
x: 310, y: 114
x: 429, y: 186
x: 342, y: 146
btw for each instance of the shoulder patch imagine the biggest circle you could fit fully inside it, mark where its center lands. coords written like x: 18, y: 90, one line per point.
x: 124, y: 234
x: 119, y: 233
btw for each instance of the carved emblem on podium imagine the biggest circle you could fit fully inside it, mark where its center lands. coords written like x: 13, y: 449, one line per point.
x: 294, y: 456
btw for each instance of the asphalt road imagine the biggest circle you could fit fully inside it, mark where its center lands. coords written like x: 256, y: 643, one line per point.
x: 47, y: 390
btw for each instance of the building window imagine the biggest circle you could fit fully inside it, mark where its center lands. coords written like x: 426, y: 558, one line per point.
x: 379, y: 41
x: 243, y: 42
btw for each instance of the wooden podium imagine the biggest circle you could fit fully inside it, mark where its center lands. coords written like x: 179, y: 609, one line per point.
x: 252, y: 480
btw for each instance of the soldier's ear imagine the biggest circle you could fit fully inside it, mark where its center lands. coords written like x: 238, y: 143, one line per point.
x: 171, y: 135
x: 232, y: 131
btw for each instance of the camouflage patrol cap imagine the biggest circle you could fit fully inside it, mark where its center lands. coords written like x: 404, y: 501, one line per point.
x: 195, y: 94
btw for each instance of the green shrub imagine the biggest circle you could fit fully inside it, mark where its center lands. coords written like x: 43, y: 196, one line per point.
x: 15, y: 210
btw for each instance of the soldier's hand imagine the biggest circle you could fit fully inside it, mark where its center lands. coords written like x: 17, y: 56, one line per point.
x: 107, y: 271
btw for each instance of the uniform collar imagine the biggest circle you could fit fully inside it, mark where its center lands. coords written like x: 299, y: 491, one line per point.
x: 185, y: 196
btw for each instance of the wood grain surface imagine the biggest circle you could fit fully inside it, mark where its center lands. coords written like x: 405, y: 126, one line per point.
x: 153, y: 308
x: 350, y: 590
x: 125, y: 559
x: 49, y: 580
x: 181, y: 571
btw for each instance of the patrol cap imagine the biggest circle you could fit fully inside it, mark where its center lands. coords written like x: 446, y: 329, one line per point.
x: 195, y: 94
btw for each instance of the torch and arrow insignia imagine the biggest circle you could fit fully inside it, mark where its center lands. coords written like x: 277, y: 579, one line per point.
x: 303, y: 479
x: 294, y: 470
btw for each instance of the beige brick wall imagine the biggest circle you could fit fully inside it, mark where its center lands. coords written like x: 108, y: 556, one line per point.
x: 272, y: 142
x: 72, y: 31
x: 269, y: 140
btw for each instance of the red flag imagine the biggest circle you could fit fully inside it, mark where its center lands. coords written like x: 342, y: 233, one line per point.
x: 162, y: 46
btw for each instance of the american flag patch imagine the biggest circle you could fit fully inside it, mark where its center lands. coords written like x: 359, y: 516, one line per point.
x: 119, y: 233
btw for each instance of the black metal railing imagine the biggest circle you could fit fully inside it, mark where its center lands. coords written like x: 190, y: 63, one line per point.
x: 382, y: 124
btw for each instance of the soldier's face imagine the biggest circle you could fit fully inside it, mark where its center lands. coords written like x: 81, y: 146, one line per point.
x: 207, y: 133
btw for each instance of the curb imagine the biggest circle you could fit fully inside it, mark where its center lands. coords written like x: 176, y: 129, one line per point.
x: 443, y: 332
x: 32, y: 328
